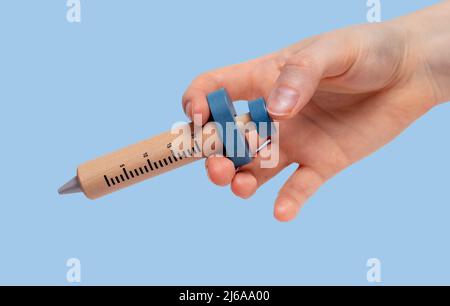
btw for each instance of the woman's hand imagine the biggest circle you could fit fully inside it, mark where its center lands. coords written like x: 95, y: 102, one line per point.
x: 338, y: 96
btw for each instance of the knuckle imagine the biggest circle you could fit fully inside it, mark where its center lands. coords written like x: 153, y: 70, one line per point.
x: 302, y: 61
x: 204, y: 80
x: 295, y: 192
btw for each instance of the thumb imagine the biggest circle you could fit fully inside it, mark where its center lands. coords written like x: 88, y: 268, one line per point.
x: 303, y: 71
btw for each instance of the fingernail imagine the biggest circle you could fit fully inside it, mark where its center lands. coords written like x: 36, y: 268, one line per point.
x: 282, y: 101
x: 188, y: 109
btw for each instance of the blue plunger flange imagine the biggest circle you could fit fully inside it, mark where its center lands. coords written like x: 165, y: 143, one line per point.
x: 224, y: 115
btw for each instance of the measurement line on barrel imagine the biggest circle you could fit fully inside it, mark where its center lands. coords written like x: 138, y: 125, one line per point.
x: 149, y: 167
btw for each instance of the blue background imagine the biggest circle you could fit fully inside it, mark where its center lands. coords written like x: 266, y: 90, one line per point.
x: 71, y: 92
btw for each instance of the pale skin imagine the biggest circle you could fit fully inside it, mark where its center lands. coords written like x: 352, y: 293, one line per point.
x: 338, y: 98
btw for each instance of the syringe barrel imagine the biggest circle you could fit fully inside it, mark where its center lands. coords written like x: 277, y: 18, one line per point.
x: 144, y: 160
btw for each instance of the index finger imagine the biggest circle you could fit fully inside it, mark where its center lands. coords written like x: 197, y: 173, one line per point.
x: 236, y: 80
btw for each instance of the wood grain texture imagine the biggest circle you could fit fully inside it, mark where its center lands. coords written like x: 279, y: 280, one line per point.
x: 145, y: 160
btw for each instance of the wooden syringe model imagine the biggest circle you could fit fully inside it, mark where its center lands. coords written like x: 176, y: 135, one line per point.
x: 159, y: 154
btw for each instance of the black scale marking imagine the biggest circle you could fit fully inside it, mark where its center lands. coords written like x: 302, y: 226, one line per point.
x: 130, y: 174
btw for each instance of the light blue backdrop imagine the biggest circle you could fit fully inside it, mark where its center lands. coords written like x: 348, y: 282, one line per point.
x: 71, y: 92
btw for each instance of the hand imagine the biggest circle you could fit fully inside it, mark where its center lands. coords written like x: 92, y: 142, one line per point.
x: 338, y: 96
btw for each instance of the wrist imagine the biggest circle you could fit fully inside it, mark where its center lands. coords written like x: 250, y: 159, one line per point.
x: 429, y: 37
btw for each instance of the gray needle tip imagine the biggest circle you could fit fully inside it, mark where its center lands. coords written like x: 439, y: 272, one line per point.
x: 72, y: 186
